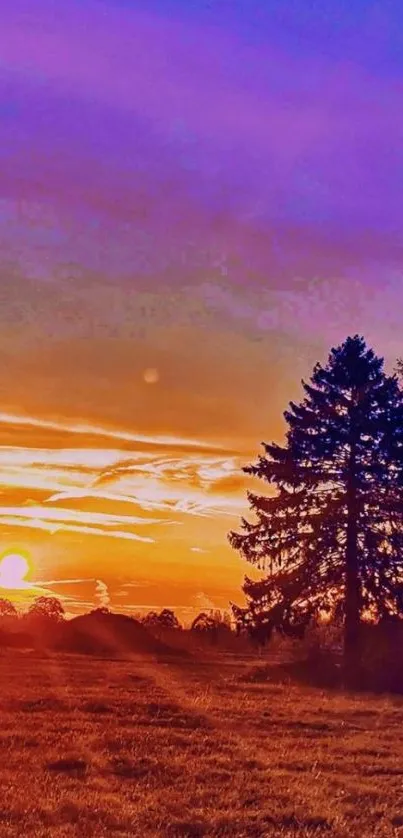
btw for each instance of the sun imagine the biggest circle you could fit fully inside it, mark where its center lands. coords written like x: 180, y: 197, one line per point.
x: 13, y: 570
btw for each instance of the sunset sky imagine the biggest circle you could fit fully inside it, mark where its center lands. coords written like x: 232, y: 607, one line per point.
x: 197, y: 199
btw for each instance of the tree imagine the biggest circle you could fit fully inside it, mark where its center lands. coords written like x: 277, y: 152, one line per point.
x: 150, y: 619
x: 260, y: 618
x: 7, y: 609
x: 214, y: 625
x: 203, y: 623
x: 331, y: 538
x: 166, y: 619
x: 47, y: 607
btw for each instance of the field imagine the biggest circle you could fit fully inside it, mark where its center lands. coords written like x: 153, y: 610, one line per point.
x: 94, y: 747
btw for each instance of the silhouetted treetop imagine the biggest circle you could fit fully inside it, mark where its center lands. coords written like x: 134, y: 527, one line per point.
x: 7, y: 609
x: 203, y: 622
x: 168, y: 619
x: 164, y: 619
x: 48, y: 607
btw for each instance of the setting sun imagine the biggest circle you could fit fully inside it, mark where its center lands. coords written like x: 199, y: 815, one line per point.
x: 13, y: 570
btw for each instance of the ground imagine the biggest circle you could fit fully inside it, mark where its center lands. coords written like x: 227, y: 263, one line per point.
x: 94, y: 747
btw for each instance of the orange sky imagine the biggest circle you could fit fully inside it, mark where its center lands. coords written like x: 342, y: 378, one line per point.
x: 106, y: 515
x: 111, y: 475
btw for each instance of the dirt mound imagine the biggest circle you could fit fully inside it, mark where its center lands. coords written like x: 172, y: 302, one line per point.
x: 108, y: 634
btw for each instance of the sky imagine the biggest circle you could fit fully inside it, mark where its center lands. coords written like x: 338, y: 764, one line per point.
x: 197, y: 200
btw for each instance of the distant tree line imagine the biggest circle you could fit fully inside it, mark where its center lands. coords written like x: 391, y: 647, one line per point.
x: 46, y: 614
x: 47, y: 608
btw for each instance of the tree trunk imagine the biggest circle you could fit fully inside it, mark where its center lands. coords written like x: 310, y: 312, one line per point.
x: 352, y: 593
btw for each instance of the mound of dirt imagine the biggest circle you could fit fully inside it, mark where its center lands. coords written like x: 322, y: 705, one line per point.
x: 115, y: 635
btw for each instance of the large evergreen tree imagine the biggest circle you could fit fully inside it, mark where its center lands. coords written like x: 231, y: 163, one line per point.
x: 331, y: 537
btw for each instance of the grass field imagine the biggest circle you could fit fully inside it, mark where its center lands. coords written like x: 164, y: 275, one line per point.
x: 95, y: 747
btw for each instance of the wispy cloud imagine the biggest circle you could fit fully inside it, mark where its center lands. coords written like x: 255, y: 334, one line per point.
x: 52, y: 582
x: 47, y: 526
x: 59, y: 515
x: 110, y: 493
x: 84, y: 429
x: 63, y: 589
x: 204, y: 602
x: 102, y: 593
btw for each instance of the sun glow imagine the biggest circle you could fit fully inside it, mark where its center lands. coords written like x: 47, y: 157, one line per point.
x: 13, y: 570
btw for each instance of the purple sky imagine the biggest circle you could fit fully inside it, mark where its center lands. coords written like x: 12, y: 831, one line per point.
x: 211, y: 190
x: 234, y: 142
x: 117, y: 115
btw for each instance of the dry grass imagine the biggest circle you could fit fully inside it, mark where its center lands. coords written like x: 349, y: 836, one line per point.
x: 97, y: 748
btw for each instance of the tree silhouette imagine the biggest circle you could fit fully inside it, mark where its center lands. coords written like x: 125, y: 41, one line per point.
x: 203, y: 622
x: 47, y: 607
x: 7, y: 609
x: 150, y: 619
x: 331, y: 538
x: 165, y: 619
x: 168, y: 619
x: 213, y: 625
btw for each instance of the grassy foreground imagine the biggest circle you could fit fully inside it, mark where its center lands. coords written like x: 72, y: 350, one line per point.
x: 94, y: 747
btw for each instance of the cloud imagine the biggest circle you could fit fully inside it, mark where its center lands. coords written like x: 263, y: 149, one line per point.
x: 204, y: 602
x: 230, y: 484
x: 177, y: 484
x: 61, y: 516
x: 72, y: 602
x: 137, y: 583
x: 102, y: 593
x: 109, y: 493
x: 198, y: 471
x: 198, y: 550
x: 64, y: 581
x: 84, y: 429
x: 12, y: 521
x: 151, y: 497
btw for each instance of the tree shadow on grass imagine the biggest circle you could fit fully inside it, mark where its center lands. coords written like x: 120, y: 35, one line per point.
x: 73, y: 767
